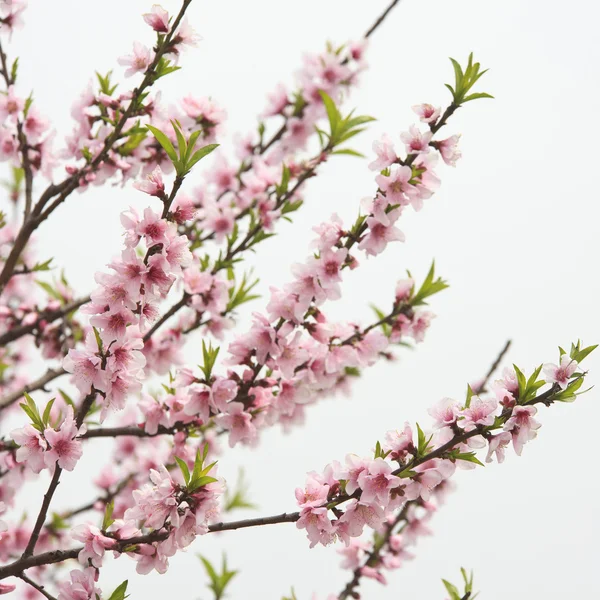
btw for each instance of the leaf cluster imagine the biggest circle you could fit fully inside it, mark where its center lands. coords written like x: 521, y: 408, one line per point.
x: 186, y: 155
x: 218, y: 581
x: 199, y: 476
x: 464, y: 81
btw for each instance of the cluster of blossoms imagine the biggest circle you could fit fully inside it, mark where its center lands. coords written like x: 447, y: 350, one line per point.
x: 176, y: 512
x: 232, y: 189
x: 368, y: 491
x: 291, y: 356
x: 24, y: 130
x: 112, y: 362
x: 397, y: 535
x: 11, y: 12
x: 105, y: 114
x: 44, y: 447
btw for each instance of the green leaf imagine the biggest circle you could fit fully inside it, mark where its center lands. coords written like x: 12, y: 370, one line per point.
x: 201, y: 482
x: 458, y: 74
x: 452, y: 590
x: 429, y: 287
x: 14, y: 70
x: 521, y: 381
x: 200, y: 154
x: 470, y: 394
x: 46, y: 415
x: 45, y: 266
x: 477, y: 96
x: 98, y: 340
x: 579, y: 355
x: 49, y: 290
x: 468, y: 457
x: 107, y: 521
x: 218, y: 581
x: 349, y: 152
x: 184, y: 469
x: 181, y: 143
x: 119, y: 593
x: 333, y: 114
x: 238, y: 499
x: 165, y: 142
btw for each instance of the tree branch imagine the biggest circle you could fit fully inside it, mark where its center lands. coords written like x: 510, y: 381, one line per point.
x: 69, y: 185
x: 38, y: 384
x: 37, y: 586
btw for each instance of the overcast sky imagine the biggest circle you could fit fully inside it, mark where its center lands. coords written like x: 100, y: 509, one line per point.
x: 514, y: 229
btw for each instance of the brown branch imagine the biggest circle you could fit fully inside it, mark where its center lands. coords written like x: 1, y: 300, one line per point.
x: 373, y: 556
x: 380, y: 19
x: 57, y: 556
x: 495, y: 365
x: 62, y: 190
x: 38, y: 384
x: 35, y: 534
x: 37, y: 586
x: 17, y: 332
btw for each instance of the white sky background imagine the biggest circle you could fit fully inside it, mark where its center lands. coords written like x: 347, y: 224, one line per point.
x: 514, y: 229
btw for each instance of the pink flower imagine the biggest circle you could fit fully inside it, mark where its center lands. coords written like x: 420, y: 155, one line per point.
x: 155, y: 502
x: 522, y: 426
x: 416, y: 141
x: 480, y: 412
x: 138, y: 61
x: 329, y: 266
x: 95, y: 544
x: 86, y: 366
x: 376, y: 481
x: 399, y: 444
x: 32, y: 447
x: 64, y: 447
x: 318, y: 527
x: 386, y: 155
x: 560, y: 374
x: 153, y: 184
x: 158, y: 19
x: 329, y: 233
x: 357, y: 515
x: 219, y: 220
x: 35, y: 124
x: 427, y: 112
x: 291, y: 355
x: 373, y: 573
x: 10, y: 104
x: 378, y: 237
x: 149, y: 558
x: 445, y: 412
x: 448, y: 148
x: 81, y: 587
x: 186, y: 35
x: 263, y: 337
x: 238, y: 422
x: 404, y: 288
x: 223, y: 391
x: 278, y: 100
x: 396, y: 186
x: 313, y: 495
x: 497, y: 444
x: 354, y: 467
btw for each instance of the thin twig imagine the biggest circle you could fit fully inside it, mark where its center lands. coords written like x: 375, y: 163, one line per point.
x: 495, y: 365
x: 38, y: 384
x: 37, y: 586
x: 62, y: 190
x: 17, y: 332
x: 380, y: 19
x: 39, y: 523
